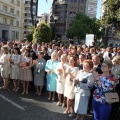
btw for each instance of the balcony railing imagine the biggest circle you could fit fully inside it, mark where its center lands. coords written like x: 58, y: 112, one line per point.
x: 8, y: 14
x: 27, y: 5
x: 27, y: 11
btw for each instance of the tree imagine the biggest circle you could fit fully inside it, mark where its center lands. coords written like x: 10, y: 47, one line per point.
x: 82, y: 25
x: 29, y: 37
x: 42, y: 33
x: 112, y: 15
x: 111, y: 18
x: 96, y: 28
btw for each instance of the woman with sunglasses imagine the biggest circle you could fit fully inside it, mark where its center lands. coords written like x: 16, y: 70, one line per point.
x: 104, y: 83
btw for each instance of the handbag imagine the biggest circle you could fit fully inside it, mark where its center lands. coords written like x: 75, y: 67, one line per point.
x: 112, y: 97
x: 84, y: 80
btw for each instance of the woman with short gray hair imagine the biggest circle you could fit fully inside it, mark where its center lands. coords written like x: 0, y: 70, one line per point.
x: 39, y: 72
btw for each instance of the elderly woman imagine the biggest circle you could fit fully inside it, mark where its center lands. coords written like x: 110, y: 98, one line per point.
x: 5, y: 66
x: 60, y: 78
x: 70, y: 73
x: 51, y: 75
x: 104, y: 84
x: 116, y: 73
x: 39, y: 72
x: 83, y: 82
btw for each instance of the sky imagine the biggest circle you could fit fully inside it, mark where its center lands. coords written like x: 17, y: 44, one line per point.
x: 44, y: 7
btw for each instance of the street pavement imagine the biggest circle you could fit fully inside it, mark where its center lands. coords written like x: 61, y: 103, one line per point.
x: 15, y: 106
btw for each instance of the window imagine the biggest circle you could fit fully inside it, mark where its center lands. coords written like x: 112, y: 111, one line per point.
x: 73, y: 1
x: 27, y: 8
x: 82, y: 1
x: 17, y: 35
x: 5, y: 8
x: 81, y: 8
x: 12, y: 10
x: 73, y: 7
x: 18, y: 13
x: 17, y: 23
x: 12, y: 1
x: 27, y: 2
x: 25, y: 20
x: 5, y: 20
x: 11, y: 22
x: 13, y: 34
x: 63, y: 0
x: 25, y: 14
x: 18, y: 2
x: 25, y: 26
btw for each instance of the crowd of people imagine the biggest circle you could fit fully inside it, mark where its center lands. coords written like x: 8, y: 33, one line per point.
x: 79, y: 74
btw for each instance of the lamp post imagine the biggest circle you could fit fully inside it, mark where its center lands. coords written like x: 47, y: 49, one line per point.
x: 55, y: 17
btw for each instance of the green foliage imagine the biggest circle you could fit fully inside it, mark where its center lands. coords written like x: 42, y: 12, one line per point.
x: 82, y: 25
x: 118, y: 34
x: 29, y: 37
x: 42, y: 33
x: 53, y: 33
x: 112, y: 16
x: 32, y: 28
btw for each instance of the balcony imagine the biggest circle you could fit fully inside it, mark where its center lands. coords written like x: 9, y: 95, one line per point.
x: 27, y: 5
x: 28, y: 23
x: 27, y: 11
x: 8, y: 14
x: 28, y: 17
x: 63, y: 2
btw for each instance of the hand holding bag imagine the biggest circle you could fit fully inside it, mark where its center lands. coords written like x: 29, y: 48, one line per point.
x: 112, y: 97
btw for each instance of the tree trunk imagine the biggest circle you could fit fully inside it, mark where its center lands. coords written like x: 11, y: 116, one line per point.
x: 31, y: 7
x: 106, y: 37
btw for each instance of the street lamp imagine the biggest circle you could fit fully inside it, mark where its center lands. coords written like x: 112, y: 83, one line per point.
x: 55, y: 17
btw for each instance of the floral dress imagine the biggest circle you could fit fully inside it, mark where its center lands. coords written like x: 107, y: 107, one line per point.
x: 107, y: 86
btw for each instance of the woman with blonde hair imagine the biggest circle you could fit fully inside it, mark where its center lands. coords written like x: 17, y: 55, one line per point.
x: 5, y: 66
x: 51, y: 76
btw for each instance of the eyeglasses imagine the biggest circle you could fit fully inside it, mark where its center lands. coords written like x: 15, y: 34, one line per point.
x: 104, y: 65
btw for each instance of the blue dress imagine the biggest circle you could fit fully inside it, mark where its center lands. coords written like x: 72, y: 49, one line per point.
x: 51, y: 78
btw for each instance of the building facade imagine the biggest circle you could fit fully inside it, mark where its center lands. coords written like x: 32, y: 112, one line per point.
x: 11, y: 19
x: 45, y: 18
x: 91, y: 8
x: 65, y: 10
x: 29, y: 15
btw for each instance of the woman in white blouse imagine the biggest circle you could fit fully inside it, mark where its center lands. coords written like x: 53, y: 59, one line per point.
x: 5, y: 66
x: 60, y: 78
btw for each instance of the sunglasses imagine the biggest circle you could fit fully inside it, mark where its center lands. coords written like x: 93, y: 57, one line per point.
x: 104, y: 65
